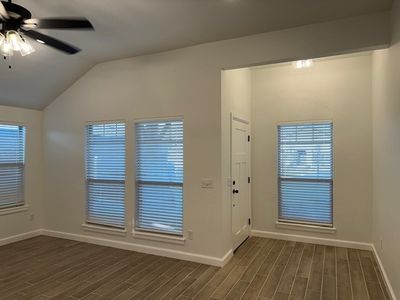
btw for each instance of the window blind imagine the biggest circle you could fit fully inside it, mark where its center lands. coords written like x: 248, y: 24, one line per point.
x: 159, y: 176
x: 105, y: 174
x: 12, y: 162
x: 306, y: 173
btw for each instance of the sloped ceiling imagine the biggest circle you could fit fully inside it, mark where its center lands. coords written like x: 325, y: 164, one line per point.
x: 126, y: 28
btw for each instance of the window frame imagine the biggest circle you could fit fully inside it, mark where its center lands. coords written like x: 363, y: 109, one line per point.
x: 98, y: 227
x: 300, y: 223
x: 158, y: 235
x: 9, y: 209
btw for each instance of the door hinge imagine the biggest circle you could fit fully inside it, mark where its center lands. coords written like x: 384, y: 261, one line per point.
x: 249, y: 221
x: 248, y: 179
x: 248, y: 138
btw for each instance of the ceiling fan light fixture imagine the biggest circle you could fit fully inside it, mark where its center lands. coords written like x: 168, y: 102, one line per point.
x: 17, y: 24
x: 14, y: 39
x: 14, y: 42
x: 26, y: 48
x: 6, y: 48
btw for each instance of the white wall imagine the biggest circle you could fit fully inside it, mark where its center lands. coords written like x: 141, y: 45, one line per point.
x: 20, y: 222
x: 386, y: 148
x: 236, y: 99
x: 337, y: 89
x: 184, y: 82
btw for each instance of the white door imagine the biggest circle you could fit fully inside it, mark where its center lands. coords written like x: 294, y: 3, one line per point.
x: 240, y: 188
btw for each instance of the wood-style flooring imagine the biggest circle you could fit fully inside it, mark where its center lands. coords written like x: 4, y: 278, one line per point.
x: 51, y: 268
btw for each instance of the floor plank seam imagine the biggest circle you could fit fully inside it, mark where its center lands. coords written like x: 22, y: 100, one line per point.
x: 297, y: 270
x: 309, y: 273
x: 348, y: 266
x: 362, y: 271
x: 51, y: 268
x: 336, y: 275
x: 283, y: 272
x: 272, y: 244
x: 254, y: 258
x: 270, y: 272
x: 323, y: 268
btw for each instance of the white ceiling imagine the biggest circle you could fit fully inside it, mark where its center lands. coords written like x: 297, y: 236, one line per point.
x: 127, y: 28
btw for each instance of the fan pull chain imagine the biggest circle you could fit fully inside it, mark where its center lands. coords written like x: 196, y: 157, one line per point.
x: 9, y: 63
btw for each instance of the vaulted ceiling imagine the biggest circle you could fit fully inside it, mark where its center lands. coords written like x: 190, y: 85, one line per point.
x: 127, y: 28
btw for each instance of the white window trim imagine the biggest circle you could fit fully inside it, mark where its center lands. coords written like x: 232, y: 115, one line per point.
x: 98, y: 227
x: 298, y: 225
x: 305, y: 227
x: 14, y: 210
x: 159, y: 119
x: 304, y: 122
x: 104, y: 229
x: 25, y: 206
x: 162, y: 237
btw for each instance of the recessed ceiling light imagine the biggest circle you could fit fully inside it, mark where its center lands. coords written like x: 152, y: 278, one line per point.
x: 301, y: 64
x: 40, y: 41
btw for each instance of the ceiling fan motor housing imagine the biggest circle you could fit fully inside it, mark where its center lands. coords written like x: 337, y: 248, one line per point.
x: 17, y: 15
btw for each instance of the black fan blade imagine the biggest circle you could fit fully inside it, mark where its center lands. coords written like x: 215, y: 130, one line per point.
x: 3, y: 12
x: 52, y: 42
x: 78, y: 23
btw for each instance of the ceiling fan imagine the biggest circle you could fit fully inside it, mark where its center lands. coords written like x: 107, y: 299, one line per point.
x: 17, y: 24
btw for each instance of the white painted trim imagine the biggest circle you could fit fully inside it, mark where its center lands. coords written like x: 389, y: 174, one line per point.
x: 102, y: 229
x: 301, y: 122
x: 227, y: 257
x: 20, y: 237
x: 101, y: 122
x: 312, y: 240
x: 305, y: 227
x: 204, y: 259
x: 158, y: 119
x: 219, y: 262
x: 179, y: 240
x: 13, y: 210
x: 239, y: 118
x: 385, y: 276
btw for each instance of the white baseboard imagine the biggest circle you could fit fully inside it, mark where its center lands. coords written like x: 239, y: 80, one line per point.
x: 386, y: 278
x: 20, y: 237
x: 227, y: 257
x: 312, y: 240
x: 328, y: 242
x: 204, y: 259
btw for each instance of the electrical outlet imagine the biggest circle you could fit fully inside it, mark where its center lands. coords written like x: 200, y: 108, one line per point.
x: 190, y: 234
x: 31, y: 217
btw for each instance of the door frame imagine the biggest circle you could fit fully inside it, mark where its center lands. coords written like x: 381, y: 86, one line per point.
x: 242, y: 119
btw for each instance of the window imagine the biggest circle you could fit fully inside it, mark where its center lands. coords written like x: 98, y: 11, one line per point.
x: 105, y: 174
x: 159, y: 177
x: 306, y: 173
x: 12, y: 162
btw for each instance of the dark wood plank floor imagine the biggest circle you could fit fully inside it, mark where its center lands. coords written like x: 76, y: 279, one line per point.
x: 50, y: 268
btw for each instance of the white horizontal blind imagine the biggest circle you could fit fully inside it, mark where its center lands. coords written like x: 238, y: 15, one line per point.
x: 159, y: 176
x: 306, y: 173
x: 12, y: 162
x: 105, y: 174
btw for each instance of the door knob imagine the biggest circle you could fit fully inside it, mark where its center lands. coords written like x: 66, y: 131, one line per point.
x: 236, y: 191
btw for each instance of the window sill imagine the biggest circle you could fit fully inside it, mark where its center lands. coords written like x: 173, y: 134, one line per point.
x: 101, y: 229
x: 304, y: 227
x: 178, y: 240
x: 13, y: 210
